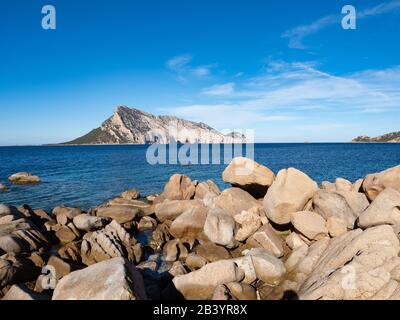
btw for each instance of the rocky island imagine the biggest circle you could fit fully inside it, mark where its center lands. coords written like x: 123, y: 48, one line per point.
x: 270, y: 236
x: 133, y: 126
x: 393, y: 137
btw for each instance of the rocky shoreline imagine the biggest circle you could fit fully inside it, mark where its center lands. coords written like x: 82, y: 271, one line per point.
x: 268, y: 237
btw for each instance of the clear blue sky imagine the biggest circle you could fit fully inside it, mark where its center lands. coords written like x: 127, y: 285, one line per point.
x: 284, y: 68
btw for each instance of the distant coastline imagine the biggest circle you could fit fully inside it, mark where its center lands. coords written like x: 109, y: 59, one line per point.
x: 147, y: 144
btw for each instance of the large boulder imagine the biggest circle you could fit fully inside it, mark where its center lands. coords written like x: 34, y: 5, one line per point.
x: 201, y: 283
x: 248, y: 175
x: 65, y: 234
x: 290, y: 192
x: 375, y: 183
x: 111, y: 242
x: 21, y: 292
x: 235, y: 200
x: 171, y: 209
x: 336, y: 226
x: 64, y: 215
x: 265, y: 237
x: 294, y: 241
x: 250, y: 222
x: 357, y: 265
x: 385, y: 209
x: 18, y: 234
x: 220, y: 228
x: 115, y: 279
x: 309, y: 224
x: 87, y: 222
x: 16, y: 269
x: 131, y: 194
x: 144, y: 208
x: 242, y: 291
x: 206, y: 188
x: 179, y: 187
x: 146, y: 223
x: 23, y: 178
x: 259, y: 264
x: 190, y: 224
x: 120, y: 213
x: 332, y: 204
x: 71, y: 251
x: 212, y: 252
x: 61, y: 267
x: 174, y: 250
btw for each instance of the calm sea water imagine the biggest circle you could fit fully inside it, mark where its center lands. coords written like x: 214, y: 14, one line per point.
x: 86, y: 176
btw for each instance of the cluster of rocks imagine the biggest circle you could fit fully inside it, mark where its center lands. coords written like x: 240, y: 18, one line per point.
x: 267, y: 237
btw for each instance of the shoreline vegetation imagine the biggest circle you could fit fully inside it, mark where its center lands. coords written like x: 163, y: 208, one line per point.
x: 270, y: 236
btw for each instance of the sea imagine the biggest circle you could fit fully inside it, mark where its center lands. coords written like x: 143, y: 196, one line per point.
x: 86, y: 176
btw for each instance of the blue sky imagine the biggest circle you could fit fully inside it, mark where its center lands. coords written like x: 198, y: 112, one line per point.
x: 284, y: 68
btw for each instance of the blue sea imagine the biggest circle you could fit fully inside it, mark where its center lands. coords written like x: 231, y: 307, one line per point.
x: 86, y: 176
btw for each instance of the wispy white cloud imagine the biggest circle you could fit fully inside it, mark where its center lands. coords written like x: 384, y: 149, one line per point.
x: 183, y: 68
x: 220, y: 89
x: 296, y: 91
x: 297, y: 34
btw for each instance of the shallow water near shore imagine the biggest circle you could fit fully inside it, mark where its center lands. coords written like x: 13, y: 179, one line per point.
x: 86, y: 176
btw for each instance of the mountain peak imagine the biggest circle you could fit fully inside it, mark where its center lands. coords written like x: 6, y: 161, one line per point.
x: 134, y: 126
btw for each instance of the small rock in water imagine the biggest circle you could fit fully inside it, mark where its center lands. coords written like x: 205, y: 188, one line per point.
x: 23, y: 178
x: 3, y: 187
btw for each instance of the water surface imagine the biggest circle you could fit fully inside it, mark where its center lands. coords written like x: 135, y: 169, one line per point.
x: 86, y: 176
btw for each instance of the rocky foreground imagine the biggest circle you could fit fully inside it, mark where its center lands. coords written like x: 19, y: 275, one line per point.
x: 268, y: 237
